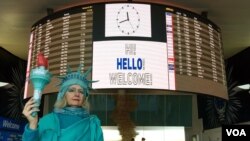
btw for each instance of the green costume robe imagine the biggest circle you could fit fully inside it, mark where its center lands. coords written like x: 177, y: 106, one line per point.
x: 86, y: 129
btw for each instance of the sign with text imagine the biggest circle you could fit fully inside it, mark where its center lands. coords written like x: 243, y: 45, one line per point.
x: 11, y: 129
x: 236, y: 132
x: 130, y: 64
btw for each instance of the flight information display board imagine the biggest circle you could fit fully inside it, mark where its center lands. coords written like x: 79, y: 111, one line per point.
x: 133, y: 46
x: 64, y: 38
x: 198, y: 53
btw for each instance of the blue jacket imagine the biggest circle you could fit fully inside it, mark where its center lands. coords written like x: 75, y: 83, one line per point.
x: 86, y: 129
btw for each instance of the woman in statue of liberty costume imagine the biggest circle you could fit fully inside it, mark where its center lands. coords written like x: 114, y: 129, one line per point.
x: 70, y: 119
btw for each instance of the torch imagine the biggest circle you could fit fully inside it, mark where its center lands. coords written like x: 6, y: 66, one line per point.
x: 39, y: 77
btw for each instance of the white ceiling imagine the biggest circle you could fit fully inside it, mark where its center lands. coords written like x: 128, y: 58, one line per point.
x: 17, y: 17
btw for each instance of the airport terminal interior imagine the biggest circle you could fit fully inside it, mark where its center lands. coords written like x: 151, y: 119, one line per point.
x: 160, y: 68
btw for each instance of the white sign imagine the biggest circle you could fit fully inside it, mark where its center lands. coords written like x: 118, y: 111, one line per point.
x: 130, y: 64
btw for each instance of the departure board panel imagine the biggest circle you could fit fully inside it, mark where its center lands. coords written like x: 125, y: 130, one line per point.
x: 64, y: 38
x: 142, y: 46
x: 195, y: 43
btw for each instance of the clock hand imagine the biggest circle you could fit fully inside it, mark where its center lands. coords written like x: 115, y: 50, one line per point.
x: 123, y: 21
x: 127, y: 16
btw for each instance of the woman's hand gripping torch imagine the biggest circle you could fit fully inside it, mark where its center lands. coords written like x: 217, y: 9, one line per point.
x: 39, y: 77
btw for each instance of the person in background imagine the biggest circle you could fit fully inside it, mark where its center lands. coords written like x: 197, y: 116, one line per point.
x: 70, y: 119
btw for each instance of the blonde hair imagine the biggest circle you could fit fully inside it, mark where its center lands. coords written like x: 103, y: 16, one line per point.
x: 63, y: 103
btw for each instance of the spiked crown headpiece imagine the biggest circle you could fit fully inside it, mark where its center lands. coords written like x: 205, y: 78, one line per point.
x: 74, y: 78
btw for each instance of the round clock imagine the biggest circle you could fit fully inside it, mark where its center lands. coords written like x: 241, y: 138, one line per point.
x: 128, y: 19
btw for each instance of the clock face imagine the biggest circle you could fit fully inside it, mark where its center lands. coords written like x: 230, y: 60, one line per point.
x: 128, y: 19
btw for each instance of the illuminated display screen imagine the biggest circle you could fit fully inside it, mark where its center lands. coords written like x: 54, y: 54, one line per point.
x: 130, y: 64
x: 133, y: 46
x: 127, y: 20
